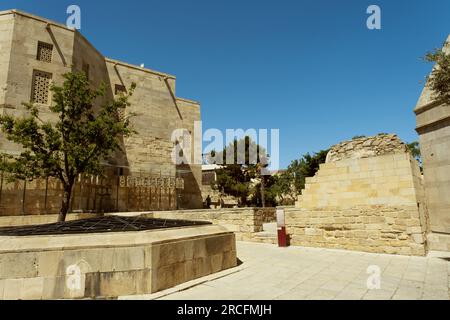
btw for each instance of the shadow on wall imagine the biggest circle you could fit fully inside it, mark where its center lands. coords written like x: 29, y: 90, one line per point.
x: 190, y: 197
x: 87, y: 59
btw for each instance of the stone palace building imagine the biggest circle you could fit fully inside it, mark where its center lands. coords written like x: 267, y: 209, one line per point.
x: 36, y: 52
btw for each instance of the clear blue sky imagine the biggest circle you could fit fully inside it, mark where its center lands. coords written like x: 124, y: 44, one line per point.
x: 310, y: 68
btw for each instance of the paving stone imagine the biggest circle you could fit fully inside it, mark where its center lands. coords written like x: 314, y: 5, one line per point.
x: 311, y: 276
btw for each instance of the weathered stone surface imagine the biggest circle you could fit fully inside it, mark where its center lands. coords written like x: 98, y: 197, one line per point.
x: 368, y: 196
x: 158, y: 113
x: 367, y: 147
x: 433, y: 127
x: 110, y: 265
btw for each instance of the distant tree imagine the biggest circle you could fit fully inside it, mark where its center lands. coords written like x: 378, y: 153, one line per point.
x: 414, y: 148
x: 74, y: 144
x: 242, y: 179
x: 291, y: 182
x: 283, y: 188
x: 358, y: 137
x: 262, y: 193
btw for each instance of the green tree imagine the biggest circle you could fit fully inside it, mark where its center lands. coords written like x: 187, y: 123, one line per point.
x: 414, y: 148
x: 75, y: 143
x: 439, y: 80
x: 283, y: 188
x: 242, y: 177
x: 291, y: 182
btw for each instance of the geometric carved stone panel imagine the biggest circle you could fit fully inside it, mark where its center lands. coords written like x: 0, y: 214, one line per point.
x: 44, y: 52
x: 41, y: 86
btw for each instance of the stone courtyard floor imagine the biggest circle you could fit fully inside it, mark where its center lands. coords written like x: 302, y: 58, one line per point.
x: 299, y: 273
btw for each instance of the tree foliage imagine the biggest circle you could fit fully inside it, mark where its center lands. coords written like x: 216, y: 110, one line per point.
x: 242, y: 177
x: 76, y: 143
x: 289, y: 184
x: 439, y: 80
x: 414, y: 148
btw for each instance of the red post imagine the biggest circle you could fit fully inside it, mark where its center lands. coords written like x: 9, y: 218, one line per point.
x: 281, y: 226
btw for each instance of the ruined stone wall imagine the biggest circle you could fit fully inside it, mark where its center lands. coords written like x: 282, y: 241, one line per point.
x: 373, y: 204
x: 367, y: 147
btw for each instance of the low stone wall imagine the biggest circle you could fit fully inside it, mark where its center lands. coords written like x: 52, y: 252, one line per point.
x: 111, y: 264
x: 378, y: 229
x: 245, y: 222
x: 125, y: 193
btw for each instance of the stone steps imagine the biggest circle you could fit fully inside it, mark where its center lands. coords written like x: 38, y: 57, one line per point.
x: 269, y: 235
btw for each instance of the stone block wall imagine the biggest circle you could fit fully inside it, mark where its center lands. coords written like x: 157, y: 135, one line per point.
x: 158, y: 111
x: 367, y: 147
x: 43, y: 197
x: 433, y: 127
x: 373, y: 204
x: 6, y: 38
x: 244, y: 222
x: 111, y: 264
x: 377, y: 229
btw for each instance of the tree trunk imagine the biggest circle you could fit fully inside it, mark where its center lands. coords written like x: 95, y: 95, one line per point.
x: 263, y: 191
x: 65, y: 203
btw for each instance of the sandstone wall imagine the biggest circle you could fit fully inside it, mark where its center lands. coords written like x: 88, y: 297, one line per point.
x: 6, y: 38
x: 111, y: 264
x: 244, y: 222
x: 42, y: 197
x: 373, y: 204
x: 367, y: 147
x: 433, y: 126
x: 158, y: 112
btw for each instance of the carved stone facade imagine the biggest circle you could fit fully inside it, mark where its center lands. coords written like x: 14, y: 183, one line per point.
x: 35, y: 52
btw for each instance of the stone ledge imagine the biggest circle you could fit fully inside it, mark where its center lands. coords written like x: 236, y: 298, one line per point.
x: 104, y: 240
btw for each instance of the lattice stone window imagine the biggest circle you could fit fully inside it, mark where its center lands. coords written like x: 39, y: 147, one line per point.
x: 41, y: 87
x: 121, y: 114
x: 120, y: 89
x: 44, y: 52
